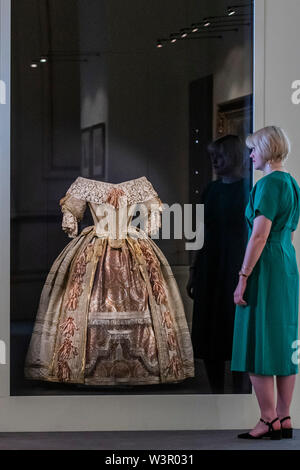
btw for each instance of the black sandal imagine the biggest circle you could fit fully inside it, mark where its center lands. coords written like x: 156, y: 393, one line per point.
x: 287, y: 433
x: 272, y: 433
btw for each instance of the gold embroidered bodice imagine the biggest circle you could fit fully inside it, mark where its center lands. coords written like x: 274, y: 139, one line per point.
x: 112, y: 207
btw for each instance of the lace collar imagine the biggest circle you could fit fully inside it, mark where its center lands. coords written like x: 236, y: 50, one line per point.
x: 99, y: 192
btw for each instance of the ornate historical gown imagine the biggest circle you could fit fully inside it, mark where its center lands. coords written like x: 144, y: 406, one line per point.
x: 110, y: 311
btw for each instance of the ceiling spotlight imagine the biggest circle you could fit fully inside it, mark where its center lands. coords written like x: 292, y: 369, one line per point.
x: 231, y: 11
x: 159, y: 44
x: 173, y: 38
x: 206, y: 24
x: 34, y: 65
x: 195, y: 30
x: 183, y: 33
x: 44, y: 60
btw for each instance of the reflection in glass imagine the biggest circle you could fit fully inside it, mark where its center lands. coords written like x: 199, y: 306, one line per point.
x: 214, y: 273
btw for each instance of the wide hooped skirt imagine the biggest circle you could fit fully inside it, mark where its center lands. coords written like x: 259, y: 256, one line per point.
x: 110, y: 314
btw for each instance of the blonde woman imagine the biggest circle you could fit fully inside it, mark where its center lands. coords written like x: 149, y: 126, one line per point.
x: 266, y: 297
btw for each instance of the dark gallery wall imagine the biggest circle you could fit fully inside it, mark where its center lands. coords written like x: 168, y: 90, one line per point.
x: 148, y: 89
x: 45, y: 142
x: 148, y: 92
x: 140, y: 93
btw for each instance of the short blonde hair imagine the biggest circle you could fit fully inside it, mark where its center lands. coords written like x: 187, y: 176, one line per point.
x: 272, y: 143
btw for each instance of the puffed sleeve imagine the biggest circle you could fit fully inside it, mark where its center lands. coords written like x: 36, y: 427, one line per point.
x: 267, y: 198
x: 151, y: 213
x: 73, y: 210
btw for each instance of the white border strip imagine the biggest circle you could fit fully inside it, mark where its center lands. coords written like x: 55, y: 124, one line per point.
x: 5, y: 41
x: 259, y: 65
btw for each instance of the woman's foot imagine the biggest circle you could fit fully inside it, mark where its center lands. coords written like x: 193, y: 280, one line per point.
x: 262, y: 428
x: 287, y: 423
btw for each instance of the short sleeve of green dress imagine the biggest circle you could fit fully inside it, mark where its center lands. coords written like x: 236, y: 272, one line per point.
x: 267, y: 198
x: 265, y: 338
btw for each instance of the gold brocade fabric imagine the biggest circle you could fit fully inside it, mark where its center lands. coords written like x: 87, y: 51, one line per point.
x: 110, y: 311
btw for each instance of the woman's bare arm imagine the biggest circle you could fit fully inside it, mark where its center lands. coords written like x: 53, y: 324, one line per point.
x: 292, y: 235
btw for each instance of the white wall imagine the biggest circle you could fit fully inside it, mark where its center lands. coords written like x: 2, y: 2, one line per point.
x: 280, y: 59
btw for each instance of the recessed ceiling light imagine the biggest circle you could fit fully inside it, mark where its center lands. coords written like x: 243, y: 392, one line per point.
x: 231, y: 12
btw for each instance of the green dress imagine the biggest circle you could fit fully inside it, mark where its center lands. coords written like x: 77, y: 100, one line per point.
x: 266, y: 329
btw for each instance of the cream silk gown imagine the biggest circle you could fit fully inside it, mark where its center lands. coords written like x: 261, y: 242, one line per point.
x: 110, y: 311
